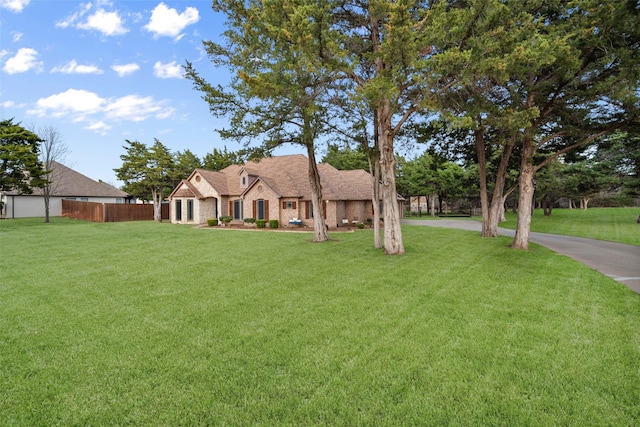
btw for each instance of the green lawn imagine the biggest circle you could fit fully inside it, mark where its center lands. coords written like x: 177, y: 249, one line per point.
x: 156, y: 324
x: 612, y: 224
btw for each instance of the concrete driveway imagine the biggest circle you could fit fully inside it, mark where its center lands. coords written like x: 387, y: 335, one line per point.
x: 619, y: 261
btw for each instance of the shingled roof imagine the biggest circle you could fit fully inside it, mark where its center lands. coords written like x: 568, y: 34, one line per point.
x: 288, y: 176
x: 68, y: 183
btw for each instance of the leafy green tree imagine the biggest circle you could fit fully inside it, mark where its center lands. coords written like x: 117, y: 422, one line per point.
x: 346, y: 158
x: 433, y: 176
x: 550, y: 186
x: 20, y: 165
x: 384, y: 50
x: 604, y: 170
x: 275, y: 51
x: 185, y: 163
x: 147, y: 173
x: 547, y: 77
x: 621, y: 151
x: 220, y: 159
x: 418, y: 177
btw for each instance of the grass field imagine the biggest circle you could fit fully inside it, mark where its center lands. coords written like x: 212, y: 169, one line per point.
x: 158, y: 324
x: 612, y: 224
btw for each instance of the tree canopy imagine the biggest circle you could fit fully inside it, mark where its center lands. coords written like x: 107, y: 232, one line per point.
x: 148, y: 173
x: 522, y: 80
x: 20, y: 166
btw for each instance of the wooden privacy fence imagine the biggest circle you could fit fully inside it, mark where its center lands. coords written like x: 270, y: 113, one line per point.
x: 110, y: 212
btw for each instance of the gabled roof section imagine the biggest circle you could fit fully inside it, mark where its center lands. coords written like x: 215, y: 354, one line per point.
x: 288, y: 177
x: 217, y: 180
x: 186, y: 189
x: 266, y: 181
x: 66, y: 182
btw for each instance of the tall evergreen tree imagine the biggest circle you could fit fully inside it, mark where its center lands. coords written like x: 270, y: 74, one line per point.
x: 20, y: 165
x: 275, y: 51
x: 147, y: 173
x: 545, y: 76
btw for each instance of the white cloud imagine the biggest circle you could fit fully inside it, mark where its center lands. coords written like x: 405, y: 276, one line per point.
x: 71, y: 19
x: 108, y: 23
x: 14, y: 5
x: 133, y: 108
x: 24, y: 60
x: 73, y: 102
x: 168, y: 71
x: 72, y: 67
x: 126, y: 69
x: 16, y: 36
x: 100, y: 127
x: 168, y: 22
x: 100, y: 114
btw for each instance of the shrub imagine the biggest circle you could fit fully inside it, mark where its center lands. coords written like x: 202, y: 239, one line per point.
x: 212, y: 222
x: 249, y: 220
x: 360, y: 225
x: 274, y: 223
x: 261, y: 223
x: 226, y: 219
x: 369, y: 221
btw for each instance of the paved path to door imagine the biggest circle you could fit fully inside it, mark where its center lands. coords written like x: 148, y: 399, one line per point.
x: 619, y: 261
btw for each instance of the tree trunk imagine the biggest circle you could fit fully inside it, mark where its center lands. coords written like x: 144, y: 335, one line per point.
x: 525, y: 200
x: 503, y: 217
x: 432, y: 201
x: 374, y: 168
x: 47, y: 199
x: 503, y: 206
x: 157, y: 204
x: 584, y: 203
x: 319, y: 228
x: 393, y: 244
x: 377, y: 238
x: 496, y: 213
x: 484, y: 192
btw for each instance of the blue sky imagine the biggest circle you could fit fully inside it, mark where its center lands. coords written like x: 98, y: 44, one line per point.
x: 102, y: 71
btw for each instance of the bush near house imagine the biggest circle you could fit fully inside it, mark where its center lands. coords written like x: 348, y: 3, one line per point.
x: 211, y: 222
x: 274, y: 223
x: 261, y: 223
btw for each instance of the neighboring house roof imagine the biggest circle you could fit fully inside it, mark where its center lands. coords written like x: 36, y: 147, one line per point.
x: 288, y: 177
x: 68, y: 183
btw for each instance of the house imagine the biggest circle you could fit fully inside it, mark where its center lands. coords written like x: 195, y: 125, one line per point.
x: 273, y: 188
x: 65, y: 184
